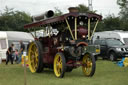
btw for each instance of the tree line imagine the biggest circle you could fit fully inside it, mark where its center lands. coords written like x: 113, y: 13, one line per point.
x: 12, y: 20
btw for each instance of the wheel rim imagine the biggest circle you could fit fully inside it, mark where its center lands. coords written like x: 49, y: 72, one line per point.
x: 111, y: 57
x: 33, y: 57
x: 58, y: 65
x: 87, y: 65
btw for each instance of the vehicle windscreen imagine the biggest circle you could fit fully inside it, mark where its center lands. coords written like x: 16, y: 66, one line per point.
x: 114, y: 43
x: 126, y: 41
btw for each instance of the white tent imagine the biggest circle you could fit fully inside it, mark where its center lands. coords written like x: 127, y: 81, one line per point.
x: 15, y: 35
x: 9, y: 37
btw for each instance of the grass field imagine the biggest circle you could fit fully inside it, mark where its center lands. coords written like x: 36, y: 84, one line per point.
x: 107, y: 73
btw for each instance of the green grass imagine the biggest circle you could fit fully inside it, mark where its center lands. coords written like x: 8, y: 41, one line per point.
x: 107, y: 73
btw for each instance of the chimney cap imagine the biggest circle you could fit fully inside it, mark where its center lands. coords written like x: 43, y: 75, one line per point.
x: 72, y: 9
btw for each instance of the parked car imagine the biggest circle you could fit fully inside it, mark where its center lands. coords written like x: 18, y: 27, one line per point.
x: 111, y: 49
x: 121, y: 35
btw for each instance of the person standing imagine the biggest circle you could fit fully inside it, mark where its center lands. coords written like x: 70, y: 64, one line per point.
x: 9, y: 54
x: 16, y: 55
x: 22, y: 48
x: 13, y: 53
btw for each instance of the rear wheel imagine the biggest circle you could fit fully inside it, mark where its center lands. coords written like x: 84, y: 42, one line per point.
x: 35, y: 57
x: 89, y: 65
x: 59, y: 65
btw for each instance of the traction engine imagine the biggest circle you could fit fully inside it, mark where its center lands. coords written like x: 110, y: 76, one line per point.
x: 66, y: 48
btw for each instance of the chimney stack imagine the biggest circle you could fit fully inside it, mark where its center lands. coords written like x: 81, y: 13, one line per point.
x: 72, y: 9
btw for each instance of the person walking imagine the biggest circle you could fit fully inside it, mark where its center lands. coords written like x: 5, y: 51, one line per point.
x: 22, y: 48
x: 9, y: 54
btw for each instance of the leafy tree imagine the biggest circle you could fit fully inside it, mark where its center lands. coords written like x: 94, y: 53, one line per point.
x: 13, y: 20
x: 84, y: 8
x: 123, y: 13
x: 124, y: 8
x: 58, y: 12
x: 80, y: 7
x: 110, y: 23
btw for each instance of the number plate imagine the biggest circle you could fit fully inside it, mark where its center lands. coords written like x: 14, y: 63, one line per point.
x: 97, y: 50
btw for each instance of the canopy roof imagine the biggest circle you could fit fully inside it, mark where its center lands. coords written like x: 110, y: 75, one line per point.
x: 61, y: 19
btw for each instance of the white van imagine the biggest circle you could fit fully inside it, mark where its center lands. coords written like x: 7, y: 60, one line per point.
x: 13, y: 37
x: 121, y: 35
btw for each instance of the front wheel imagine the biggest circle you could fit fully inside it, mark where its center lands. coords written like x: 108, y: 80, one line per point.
x: 89, y: 65
x: 112, y: 56
x: 59, y: 65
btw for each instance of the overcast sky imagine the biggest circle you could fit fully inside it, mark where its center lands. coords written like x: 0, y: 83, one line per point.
x: 34, y: 7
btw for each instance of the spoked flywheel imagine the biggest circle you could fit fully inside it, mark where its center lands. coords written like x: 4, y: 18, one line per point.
x: 59, y: 65
x: 89, y: 65
x: 35, y: 57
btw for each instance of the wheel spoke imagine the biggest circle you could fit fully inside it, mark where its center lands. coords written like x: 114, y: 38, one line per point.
x: 88, y: 64
x: 32, y: 50
x: 58, y: 65
x: 58, y: 59
x: 33, y: 57
x: 36, y: 54
x: 58, y: 70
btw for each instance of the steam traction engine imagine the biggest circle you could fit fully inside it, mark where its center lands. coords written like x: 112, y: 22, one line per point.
x: 68, y: 48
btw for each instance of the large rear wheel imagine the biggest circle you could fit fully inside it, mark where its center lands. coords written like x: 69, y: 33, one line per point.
x: 89, y: 65
x: 35, y: 57
x: 59, y: 65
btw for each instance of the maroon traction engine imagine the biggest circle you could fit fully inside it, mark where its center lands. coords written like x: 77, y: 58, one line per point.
x: 66, y: 49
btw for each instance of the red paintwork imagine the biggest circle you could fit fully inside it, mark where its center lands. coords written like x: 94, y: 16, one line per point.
x: 82, y: 43
x: 49, y: 50
x: 81, y: 31
x: 72, y: 63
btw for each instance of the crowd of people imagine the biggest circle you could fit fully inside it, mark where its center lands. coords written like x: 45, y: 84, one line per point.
x: 14, y: 54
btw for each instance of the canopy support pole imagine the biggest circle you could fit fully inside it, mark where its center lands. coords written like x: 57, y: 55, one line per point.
x: 70, y: 29
x: 89, y: 29
x: 94, y: 29
x: 75, y: 28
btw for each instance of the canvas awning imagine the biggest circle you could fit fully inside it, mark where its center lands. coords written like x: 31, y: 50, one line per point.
x: 14, y: 35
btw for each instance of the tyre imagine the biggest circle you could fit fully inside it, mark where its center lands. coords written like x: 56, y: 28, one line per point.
x: 112, y: 56
x: 96, y: 57
x: 35, y: 57
x: 59, y: 65
x: 89, y: 65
